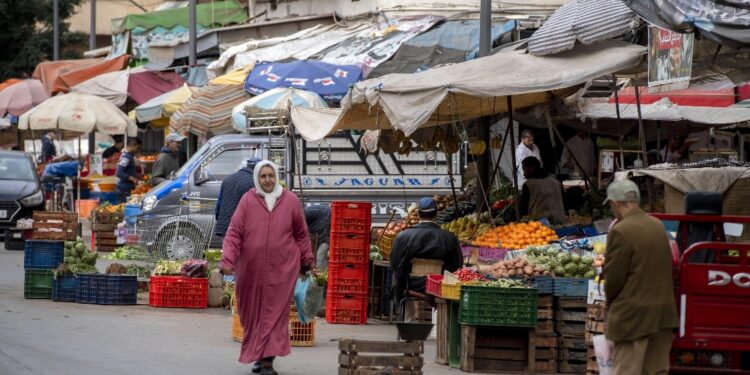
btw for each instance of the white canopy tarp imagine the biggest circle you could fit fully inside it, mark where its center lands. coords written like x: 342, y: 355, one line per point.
x: 111, y: 86
x: 469, y: 89
x: 664, y: 110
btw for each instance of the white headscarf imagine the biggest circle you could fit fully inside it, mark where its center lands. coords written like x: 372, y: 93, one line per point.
x: 277, y: 190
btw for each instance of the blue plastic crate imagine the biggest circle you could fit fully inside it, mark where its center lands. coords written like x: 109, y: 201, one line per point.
x: 107, y: 289
x: 86, y: 288
x: 571, y: 287
x: 64, y: 288
x: 40, y: 254
x: 109, y: 197
x: 567, y: 231
x: 131, y: 212
x: 544, y: 284
x: 589, y: 231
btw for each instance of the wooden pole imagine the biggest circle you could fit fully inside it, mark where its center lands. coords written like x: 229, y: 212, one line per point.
x: 513, y: 151
x: 619, y: 127
x: 641, y: 131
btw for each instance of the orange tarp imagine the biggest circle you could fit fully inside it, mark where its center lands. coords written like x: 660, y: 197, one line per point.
x: 60, y: 76
x: 9, y: 82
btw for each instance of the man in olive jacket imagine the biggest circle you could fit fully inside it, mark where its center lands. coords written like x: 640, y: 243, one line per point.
x: 640, y: 297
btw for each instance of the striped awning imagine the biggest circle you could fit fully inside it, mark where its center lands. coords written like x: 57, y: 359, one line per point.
x: 586, y: 21
x: 210, y: 109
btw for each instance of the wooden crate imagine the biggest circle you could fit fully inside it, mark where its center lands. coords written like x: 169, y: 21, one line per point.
x: 398, y: 358
x: 443, y: 330
x: 595, y: 325
x: 497, y: 350
x: 101, y: 218
x: 546, y: 353
x: 57, y: 226
x: 573, y: 355
x: 545, y: 315
x: 424, y: 267
x: 571, y: 316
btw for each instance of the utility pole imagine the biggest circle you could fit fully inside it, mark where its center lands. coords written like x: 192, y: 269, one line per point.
x: 483, y: 161
x: 193, y: 43
x: 55, y: 30
x: 92, y: 33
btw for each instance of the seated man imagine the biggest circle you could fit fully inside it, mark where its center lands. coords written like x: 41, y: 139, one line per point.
x: 425, y: 240
x: 542, y: 194
x: 318, y: 218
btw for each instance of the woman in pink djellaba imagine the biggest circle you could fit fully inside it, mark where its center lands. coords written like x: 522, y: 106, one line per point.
x: 266, y: 247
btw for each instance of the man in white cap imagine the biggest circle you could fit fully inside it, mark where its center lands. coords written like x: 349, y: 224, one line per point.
x: 638, y: 285
x: 168, y: 160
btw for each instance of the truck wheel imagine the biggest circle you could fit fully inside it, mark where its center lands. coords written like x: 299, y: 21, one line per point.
x: 180, y: 241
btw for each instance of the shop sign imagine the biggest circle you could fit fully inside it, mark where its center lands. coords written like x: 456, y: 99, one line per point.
x: 370, y: 182
x: 670, y: 60
x: 721, y: 278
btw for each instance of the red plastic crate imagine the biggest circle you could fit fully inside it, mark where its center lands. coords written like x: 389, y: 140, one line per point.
x: 351, y: 217
x: 350, y: 248
x: 348, y: 270
x: 345, y: 285
x: 178, y: 291
x: 346, y: 308
x: 435, y: 285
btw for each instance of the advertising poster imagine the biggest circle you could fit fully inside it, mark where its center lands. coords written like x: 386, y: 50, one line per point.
x: 670, y: 60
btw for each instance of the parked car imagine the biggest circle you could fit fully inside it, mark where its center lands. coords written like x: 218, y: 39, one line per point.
x: 20, y: 189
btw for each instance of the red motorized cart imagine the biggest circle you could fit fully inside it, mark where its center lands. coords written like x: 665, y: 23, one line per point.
x: 713, y: 298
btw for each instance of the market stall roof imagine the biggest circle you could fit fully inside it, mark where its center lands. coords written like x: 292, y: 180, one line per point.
x: 9, y: 82
x: 163, y: 106
x: 213, y: 14
x: 462, y: 35
x: 209, y: 110
x: 147, y: 85
x: 78, y: 112
x: 59, y: 76
x: 236, y: 77
x: 664, y: 110
x: 111, y: 86
x: 473, y: 88
x: 411, y: 59
x: 327, y: 80
x: 21, y: 97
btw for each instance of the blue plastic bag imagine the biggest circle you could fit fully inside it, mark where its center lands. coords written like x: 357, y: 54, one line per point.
x: 309, y: 299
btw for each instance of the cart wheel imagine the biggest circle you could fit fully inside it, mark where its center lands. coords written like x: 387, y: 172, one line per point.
x: 179, y: 242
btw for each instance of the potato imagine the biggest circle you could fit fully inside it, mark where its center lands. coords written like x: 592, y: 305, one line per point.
x: 528, y: 271
x: 512, y: 273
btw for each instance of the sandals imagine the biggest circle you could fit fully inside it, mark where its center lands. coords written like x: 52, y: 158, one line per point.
x: 256, y: 369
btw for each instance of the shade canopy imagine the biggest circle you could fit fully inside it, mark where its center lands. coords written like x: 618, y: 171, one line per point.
x: 236, y: 77
x: 665, y: 110
x: 164, y: 105
x: 327, y: 80
x: 585, y: 21
x: 278, y: 98
x: 112, y: 86
x: 21, y: 97
x: 472, y: 89
x: 209, y: 110
x: 78, y: 112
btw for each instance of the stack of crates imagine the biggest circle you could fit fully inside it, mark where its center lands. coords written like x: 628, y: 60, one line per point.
x: 349, y: 261
x: 39, y: 262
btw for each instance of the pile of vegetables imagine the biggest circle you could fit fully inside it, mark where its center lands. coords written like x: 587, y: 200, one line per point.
x: 470, y: 226
x: 560, y: 263
x: 138, y: 270
x: 394, y: 228
x: 194, y: 268
x: 504, y: 283
x: 108, y: 208
x: 518, y: 267
x: 116, y: 269
x: 467, y: 275
x: 320, y: 278
x: 77, y: 258
x: 129, y: 252
x: 168, y: 268
x: 375, y: 253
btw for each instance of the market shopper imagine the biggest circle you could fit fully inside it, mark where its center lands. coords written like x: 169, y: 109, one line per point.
x: 266, y: 247
x: 233, y: 188
x: 426, y: 240
x: 318, y: 218
x: 525, y: 149
x: 126, y: 172
x: 49, y: 151
x: 638, y: 285
x: 675, y: 150
x: 542, y: 194
x: 581, y: 148
x: 115, y: 149
x: 168, y: 160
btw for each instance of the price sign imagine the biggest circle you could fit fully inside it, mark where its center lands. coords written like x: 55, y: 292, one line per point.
x: 608, y: 161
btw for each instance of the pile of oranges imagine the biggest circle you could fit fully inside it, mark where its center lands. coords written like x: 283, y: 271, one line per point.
x: 516, y: 236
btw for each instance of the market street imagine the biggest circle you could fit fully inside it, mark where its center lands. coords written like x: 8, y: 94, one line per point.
x: 44, y: 337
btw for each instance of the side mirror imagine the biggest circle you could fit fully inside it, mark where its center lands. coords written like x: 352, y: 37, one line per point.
x: 203, y: 177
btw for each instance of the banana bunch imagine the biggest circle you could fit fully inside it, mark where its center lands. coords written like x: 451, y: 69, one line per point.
x: 477, y: 147
x: 496, y: 142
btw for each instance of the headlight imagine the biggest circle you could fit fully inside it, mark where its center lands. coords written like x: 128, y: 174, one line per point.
x: 33, y: 199
x: 149, y: 203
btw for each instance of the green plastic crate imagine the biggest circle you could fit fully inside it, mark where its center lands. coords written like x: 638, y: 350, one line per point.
x: 502, y: 307
x: 37, y: 284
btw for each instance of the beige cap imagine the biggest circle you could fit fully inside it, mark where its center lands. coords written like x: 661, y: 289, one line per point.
x: 623, y: 191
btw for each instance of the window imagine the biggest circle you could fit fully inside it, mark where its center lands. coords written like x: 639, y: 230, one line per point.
x: 228, y: 162
x: 16, y: 168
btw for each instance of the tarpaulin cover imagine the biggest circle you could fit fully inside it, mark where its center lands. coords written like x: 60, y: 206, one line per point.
x: 236, y: 77
x: 21, y: 97
x: 327, y: 80
x: 460, y: 35
x: 164, y: 105
x: 471, y: 89
x: 48, y: 71
x: 66, y: 80
x: 82, y: 113
x: 664, y: 110
x: 697, y: 179
x: 111, y: 86
x: 724, y: 22
x: 145, y: 86
x: 209, y: 110
x: 209, y: 15
x: 9, y: 82
x: 410, y: 59
x: 707, y: 95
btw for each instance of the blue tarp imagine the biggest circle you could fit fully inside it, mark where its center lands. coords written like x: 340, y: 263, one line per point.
x: 459, y: 35
x: 61, y: 169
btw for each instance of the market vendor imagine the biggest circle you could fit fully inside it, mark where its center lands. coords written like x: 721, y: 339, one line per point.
x: 674, y: 151
x: 126, y: 171
x: 168, y: 160
x: 111, y: 156
x: 581, y: 148
x: 525, y: 149
x: 426, y: 240
x: 318, y: 219
x: 542, y: 195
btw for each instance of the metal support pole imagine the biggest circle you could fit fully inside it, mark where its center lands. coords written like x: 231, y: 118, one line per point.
x: 485, y: 27
x: 55, y: 30
x: 513, y: 152
x: 641, y: 131
x: 193, y: 44
x: 92, y: 33
x: 619, y: 127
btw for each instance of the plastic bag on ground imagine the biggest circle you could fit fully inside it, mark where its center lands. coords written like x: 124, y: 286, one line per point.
x: 309, y: 299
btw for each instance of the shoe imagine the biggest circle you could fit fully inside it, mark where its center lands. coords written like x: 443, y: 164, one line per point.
x: 268, y: 371
x: 255, y: 367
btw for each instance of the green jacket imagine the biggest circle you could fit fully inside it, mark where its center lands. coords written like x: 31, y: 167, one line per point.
x: 638, y: 274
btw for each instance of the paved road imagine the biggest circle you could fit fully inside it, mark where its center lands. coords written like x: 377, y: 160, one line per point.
x: 44, y: 337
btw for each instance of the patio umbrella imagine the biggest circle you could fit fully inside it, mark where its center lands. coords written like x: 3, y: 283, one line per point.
x: 278, y: 98
x: 21, y: 97
x: 9, y: 82
x: 112, y: 86
x: 82, y: 113
x: 586, y: 21
x: 159, y: 109
x: 327, y: 80
x: 210, y: 109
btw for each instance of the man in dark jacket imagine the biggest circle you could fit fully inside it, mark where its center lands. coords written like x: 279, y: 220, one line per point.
x: 168, y: 160
x: 126, y: 173
x: 425, y: 240
x: 232, y: 189
x: 49, y: 151
x: 638, y: 286
x: 318, y: 218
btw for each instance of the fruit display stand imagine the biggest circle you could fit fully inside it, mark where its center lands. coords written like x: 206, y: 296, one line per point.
x: 104, y: 225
